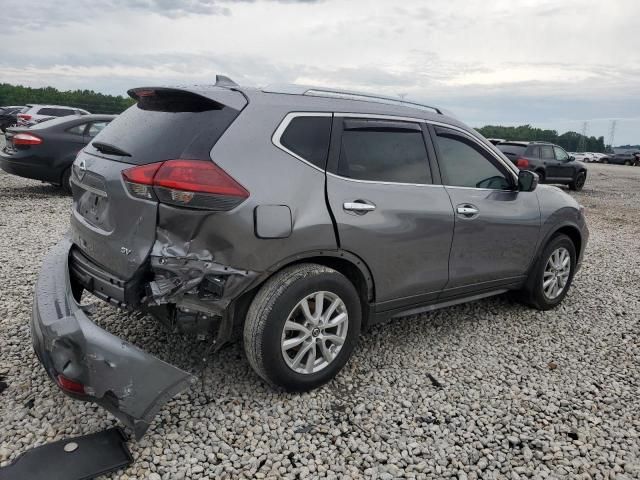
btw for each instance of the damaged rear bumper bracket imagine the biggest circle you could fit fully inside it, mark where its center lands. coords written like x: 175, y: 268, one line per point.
x: 100, y: 367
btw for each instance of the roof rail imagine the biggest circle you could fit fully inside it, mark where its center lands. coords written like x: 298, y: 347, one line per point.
x: 365, y: 97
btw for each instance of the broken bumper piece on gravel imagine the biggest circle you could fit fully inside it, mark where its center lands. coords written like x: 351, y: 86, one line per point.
x: 91, y: 364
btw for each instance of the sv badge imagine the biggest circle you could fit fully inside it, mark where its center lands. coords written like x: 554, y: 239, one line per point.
x: 125, y: 250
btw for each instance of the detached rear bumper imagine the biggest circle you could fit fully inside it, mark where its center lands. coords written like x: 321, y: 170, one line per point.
x: 91, y: 364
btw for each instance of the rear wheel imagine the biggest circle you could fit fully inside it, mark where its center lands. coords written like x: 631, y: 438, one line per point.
x: 627, y: 163
x: 541, y: 176
x: 302, y: 327
x: 578, y: 181
x: 65, y: 181
x: 552, y: 274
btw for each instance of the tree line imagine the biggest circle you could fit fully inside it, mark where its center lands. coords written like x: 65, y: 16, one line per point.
x: 89, y: 100
x: 570, y: 141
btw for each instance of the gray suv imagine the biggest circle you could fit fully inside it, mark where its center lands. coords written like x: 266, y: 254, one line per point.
x: 297, y: 216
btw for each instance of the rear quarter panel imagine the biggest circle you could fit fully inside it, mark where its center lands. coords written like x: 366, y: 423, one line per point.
x: 272, y: 177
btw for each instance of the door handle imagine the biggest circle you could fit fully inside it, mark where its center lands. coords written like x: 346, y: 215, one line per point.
x: 358, y: 206
x: 467, y: 210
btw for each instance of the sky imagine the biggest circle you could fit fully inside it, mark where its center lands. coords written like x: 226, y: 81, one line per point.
x: 549, y: 63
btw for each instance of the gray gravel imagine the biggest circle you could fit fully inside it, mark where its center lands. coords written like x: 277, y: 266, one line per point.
x: 485, y: 390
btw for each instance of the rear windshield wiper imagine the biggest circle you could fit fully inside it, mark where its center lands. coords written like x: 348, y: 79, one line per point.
x: 110, y: 149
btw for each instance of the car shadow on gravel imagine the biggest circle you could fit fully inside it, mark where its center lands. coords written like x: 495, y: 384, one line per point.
x: 44, y: 189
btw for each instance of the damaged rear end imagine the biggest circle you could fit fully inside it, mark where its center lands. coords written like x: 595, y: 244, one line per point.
x: 155, y: 154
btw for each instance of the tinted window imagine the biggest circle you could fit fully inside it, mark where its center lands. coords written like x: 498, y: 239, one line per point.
x: 463, y: 163
x: 546, y: 151
x: 308, y: 137
x: 391, y: 155
x: 78, y: 129
x: 168, y: 126
x: 534, y: 152
x: 511, y: 150
x: 55, y: 112
x: 561, y: 155
x: 96, y: 127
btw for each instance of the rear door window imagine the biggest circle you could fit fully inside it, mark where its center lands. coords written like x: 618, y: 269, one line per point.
x: 383, y: 151
x: 546, y: 152
x: 534, y: 152
x: 308, y: 138
x: 464, y: 163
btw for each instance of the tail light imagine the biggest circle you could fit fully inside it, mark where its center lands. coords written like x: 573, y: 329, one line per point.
x: 185, y: 183
x: 26, y: 139
x: 522, y: 163
x: 70, y: 385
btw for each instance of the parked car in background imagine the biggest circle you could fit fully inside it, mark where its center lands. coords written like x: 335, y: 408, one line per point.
x: 585, y: 157
x: 551, y: 162
x: 46, y: 151
x: 33, y: 114
x: 181, y: 210
x: 496, y: 141
x: 599, y: 157
x: 8, y: 116
x: 628, y: 158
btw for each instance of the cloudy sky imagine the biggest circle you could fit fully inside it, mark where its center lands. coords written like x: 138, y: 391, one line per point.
x: 550, y: 63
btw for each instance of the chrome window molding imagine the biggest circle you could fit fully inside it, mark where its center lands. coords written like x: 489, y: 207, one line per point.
x: 277, y: 135
x: 376, y: 182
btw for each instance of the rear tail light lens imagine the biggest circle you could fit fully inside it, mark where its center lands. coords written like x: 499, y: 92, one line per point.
x: 522, y: 163
x: 70, y: 385
x: 186, y: 183
x: 24, y: 116
x: 26, y: 139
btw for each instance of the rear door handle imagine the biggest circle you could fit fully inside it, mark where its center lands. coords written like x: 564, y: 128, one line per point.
x: 358, y: 206
x: 467, y: 210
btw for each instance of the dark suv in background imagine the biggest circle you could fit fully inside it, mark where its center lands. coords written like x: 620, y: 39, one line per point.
x: 551, y: 162
x: 299, y: 215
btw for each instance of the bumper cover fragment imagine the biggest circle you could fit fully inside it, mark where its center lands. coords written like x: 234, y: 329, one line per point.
x: 131, y: 384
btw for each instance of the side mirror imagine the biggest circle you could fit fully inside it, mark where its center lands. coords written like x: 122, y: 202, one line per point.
x: 527, y: 181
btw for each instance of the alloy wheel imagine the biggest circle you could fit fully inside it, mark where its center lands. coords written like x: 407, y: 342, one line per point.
x: 314, y: 333
x: 556, y: 273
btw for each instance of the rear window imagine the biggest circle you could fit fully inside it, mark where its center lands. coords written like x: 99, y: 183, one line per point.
x: 308, y: 137
x: 512, y: 150
x: 166, y: 126
x: 55, y: 112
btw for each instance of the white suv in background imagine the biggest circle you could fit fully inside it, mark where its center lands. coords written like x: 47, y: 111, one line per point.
x: 32, y: 114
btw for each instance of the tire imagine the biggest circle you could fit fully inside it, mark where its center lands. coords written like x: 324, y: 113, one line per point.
x: 533, y: 293
x: 541, y: 176
x: 65, y: 181
x: 282, y: 298
x: 605, y: 160
x: 578, y: 182
x: 627, y: 163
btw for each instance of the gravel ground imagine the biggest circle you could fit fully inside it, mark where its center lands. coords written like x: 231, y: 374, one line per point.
x: 485, y: 390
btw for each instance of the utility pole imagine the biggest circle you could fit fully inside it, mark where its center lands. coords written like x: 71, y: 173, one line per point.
x: 612, y: 133
x: 582, y: 144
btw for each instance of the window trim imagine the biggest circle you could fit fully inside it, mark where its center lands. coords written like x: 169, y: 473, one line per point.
x: 284, y: 123
x: 332, y: 169
x: 288, y: 118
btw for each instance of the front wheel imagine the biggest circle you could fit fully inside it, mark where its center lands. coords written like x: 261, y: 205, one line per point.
x: 552, y: 275
x: 578, y: 182
x: 302, y: 326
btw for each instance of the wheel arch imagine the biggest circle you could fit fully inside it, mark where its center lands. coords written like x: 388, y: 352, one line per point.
x: 345, y: 262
